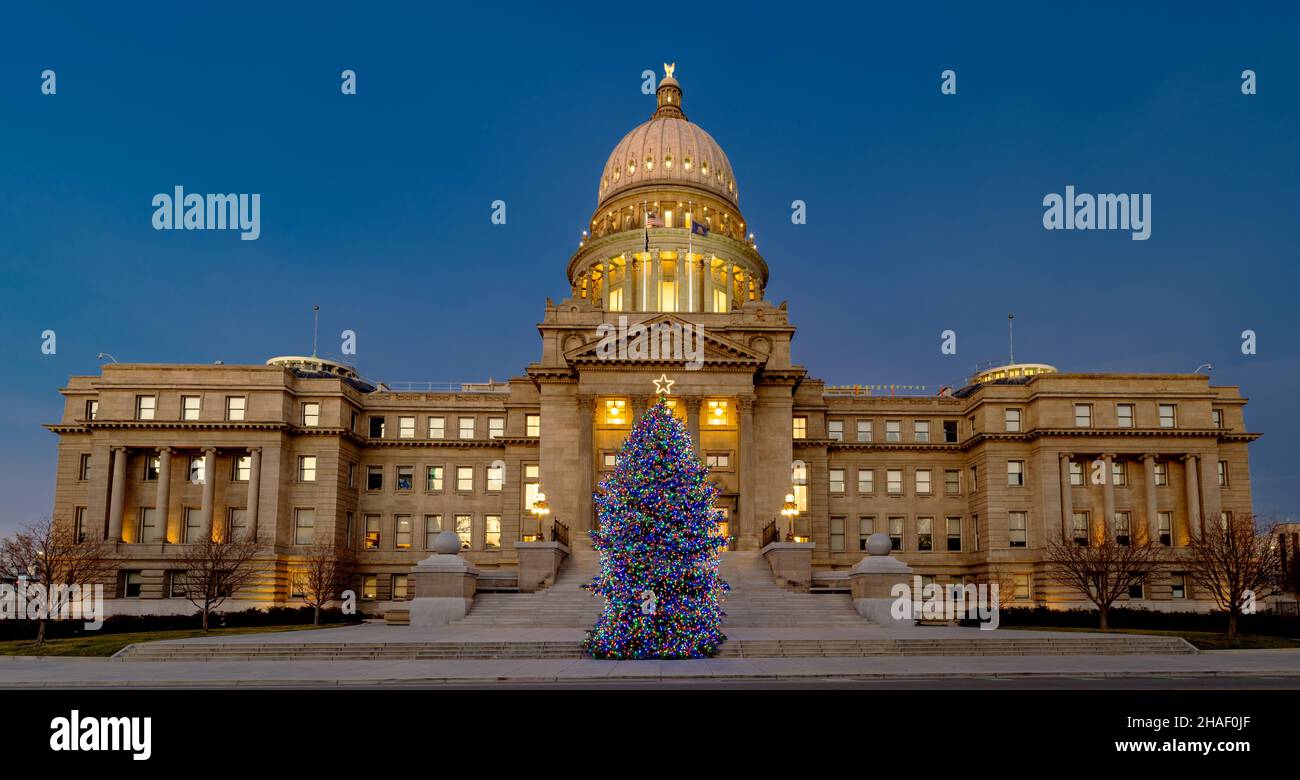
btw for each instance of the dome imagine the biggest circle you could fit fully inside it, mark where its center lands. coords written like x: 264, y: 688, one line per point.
x: 668, y: 150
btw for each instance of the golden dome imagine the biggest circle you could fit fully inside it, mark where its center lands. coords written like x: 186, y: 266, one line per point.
x: 668, y: 150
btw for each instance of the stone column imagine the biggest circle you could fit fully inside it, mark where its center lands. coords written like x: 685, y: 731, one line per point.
x: 731, y: 285
x: 1193, y: 497
x: 1153, y: 523
x: 1067, y: 497
x: 746, y: 518
x: 1108, y: 495
x: 706, y: 284
x: 254, y: 489
x: 586, y: 459
x: 693, y: 404
x: 656, y: 273
x: 209, y: 491
x: 117, y: 498
x: 163, y: 502
x: 629, y: 283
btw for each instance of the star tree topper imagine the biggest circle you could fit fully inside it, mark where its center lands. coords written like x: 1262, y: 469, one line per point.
x: 663, y: 385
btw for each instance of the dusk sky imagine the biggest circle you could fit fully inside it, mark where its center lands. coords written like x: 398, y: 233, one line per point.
x: 924, y: 211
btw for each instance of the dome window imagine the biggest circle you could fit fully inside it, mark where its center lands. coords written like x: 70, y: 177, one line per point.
x: 631, y: 167
x: 686, y: 163
x: 704, y: 169
x: 649, y: 163
x: 617, y: 173
x: 668, y: 162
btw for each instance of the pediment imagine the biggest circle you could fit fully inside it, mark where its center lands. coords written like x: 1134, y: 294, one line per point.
x: 604, y: 346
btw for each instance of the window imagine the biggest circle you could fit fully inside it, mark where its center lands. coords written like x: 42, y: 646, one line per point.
x: 532, y: 425
x: 718, y: 413
x: 1016, y: 473
x: 893, y: 430
x: 896, y: 533
x: 950, y: 431
x: 176, y: 583
x: 235, y: 405
x: 1223, y: 473
x: 1179, y: 582
x: 866, y: 527
x: 147, y: 531
x: 866, y: 481
x: 400, y: 584
x: 193, y: 525
x: 615, y: 411
x: 405, y: 478
x: 1083, y: 415
x: 925, y: 534
x: 348, y: 538
x: 973, y: 427
x: 921, y: 431
x: 864, y: 430
x: 352, y: 475
x: 433, y: 478
x: 197, y: 470
x: 837, y: 534
x: 492, y: 532
x: 402, y: 531
x: 406, y: 427
x: 465, y: 530
x: 975, y: 530
x: 376, y: 427
x: 718, y: 460
x: 437, y: 427
x: 1124, y: 415
x: 83, y: 467
x: 466, y: 427
x: 610, y: 460
x: 190, y: 407
x: 954, y: 534
x: 237, y: 523
x: 310, y: 414
x: 1022, y: 587
x: 131, y: 584
x: 465, y: 478
x: 372, y: 532
x: 1123, y: 529
x: 432, y: 527
x: 1135, y: 588
x: 243, y: 468
x: 79, y: 524
x: 1164, y: 527
x: 496, y: 476
x: 304, y: 526
x: 952, y: 482
x: 1168, y: 415
x: 800, y: 428
x: 1079, y: 528
x: 974, y: 479
x: 894, y: 482
x: 145, y: 406
x: 369, y: 587
x: 923, y: 483
x: 306, y: 468
x: 92, y: 409
x: 837, y: 480
x: 532, y: 474
x: 1161, y: 471
x: 1118, y: 474
x: 353, y: 425
x: 1017, y: 534
x: 835, y: 430
x: 1012, y: 420
x: 374, y: 477
x: 496, y: 427
x: 1216, y: 416
x: 1076, y: 473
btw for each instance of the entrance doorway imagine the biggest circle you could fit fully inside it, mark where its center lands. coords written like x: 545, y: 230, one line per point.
x: 723, y: 528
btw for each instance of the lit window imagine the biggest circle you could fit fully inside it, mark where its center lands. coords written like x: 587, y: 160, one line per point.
x: 304, y: 526
x: 306, y: 468
x: 610, y: 460
x: 433, y: 478
x: 406, y: 427
x: 496, y: 427
x: 235, y: 406
x: 1016, y: 473
x: 465, y: 530
x: 921, y: 431
x: 1013, y: 420
x: 405, y: 478
x: 190, y: 407
x: 864, y: 430
x: 1168, y: 416
x: 837, y: 480
x: 1016, y: 533
x: 369, y: 587
x: 466, y: 427
x: 835, y: 430
x: 492, y: 532
x: 718, y: 460
x: 465, y: 478
x: 894, y: 482
x: 532, y: 425
x: 1083, y: 415
x: 893, y: 430
x: 496, y: 476
x: 801, y: 427
x: 924, y: 534
x: 1124, y: 415
x: 145, y: 406
x: 372, y: 533
x: 402, y: 532
x: 437, y: 428
x: 866, y: 481
x: 310, y: 414
x: 923, y: 484
x: 717, y: 412
x: 615, y: 411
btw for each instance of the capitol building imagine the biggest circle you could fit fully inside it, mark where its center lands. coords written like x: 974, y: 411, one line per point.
x: 969, y: 484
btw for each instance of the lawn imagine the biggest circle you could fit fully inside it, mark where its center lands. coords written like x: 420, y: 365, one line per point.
x: 103, y: 645
x: 1202, y: 640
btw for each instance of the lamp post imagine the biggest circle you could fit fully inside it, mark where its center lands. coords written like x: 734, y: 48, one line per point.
x: 791, y: 510
x: 540, y: 509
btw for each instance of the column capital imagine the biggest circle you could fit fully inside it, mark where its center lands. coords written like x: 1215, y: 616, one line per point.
x: 1149, y: 456
x: 118, y: 448
x: 1065, y: 456
x: 586, y: 401
x: 1186, y: 457
x: 165, y: 450
x: 1108, y: 456
x: 209, y: 449
x: 745, y: 404
x: 250, y: 450
x: 691, y: 402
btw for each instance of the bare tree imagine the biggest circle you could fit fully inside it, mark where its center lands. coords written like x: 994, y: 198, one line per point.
x: 48, y: 554
x: 324, y: 575
x: 1234, y: 562
x: 1104, y: 569
x: 215, y: 569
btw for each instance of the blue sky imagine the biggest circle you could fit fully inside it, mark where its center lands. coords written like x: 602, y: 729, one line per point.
x: 924, y: 211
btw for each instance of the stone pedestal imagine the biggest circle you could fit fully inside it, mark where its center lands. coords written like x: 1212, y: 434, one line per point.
x: 873, y: 579
x: 791, y: 564
x: 445, y: 584
x: 539, y: 562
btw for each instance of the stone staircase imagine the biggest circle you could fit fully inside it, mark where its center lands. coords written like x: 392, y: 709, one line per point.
x: 756, y: 601
x: 563, y: 605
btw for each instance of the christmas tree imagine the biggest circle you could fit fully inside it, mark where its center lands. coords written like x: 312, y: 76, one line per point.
x: 658, y: 548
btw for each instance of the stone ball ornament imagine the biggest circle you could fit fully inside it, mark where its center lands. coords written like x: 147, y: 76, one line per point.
x: 447, y: 543
x: 879, y: 544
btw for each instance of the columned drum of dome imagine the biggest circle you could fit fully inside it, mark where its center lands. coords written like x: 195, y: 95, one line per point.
x: 667, y: 234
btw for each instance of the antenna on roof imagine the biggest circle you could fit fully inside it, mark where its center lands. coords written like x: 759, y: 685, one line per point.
x: 1011, y: 335
x: 315, y: 327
